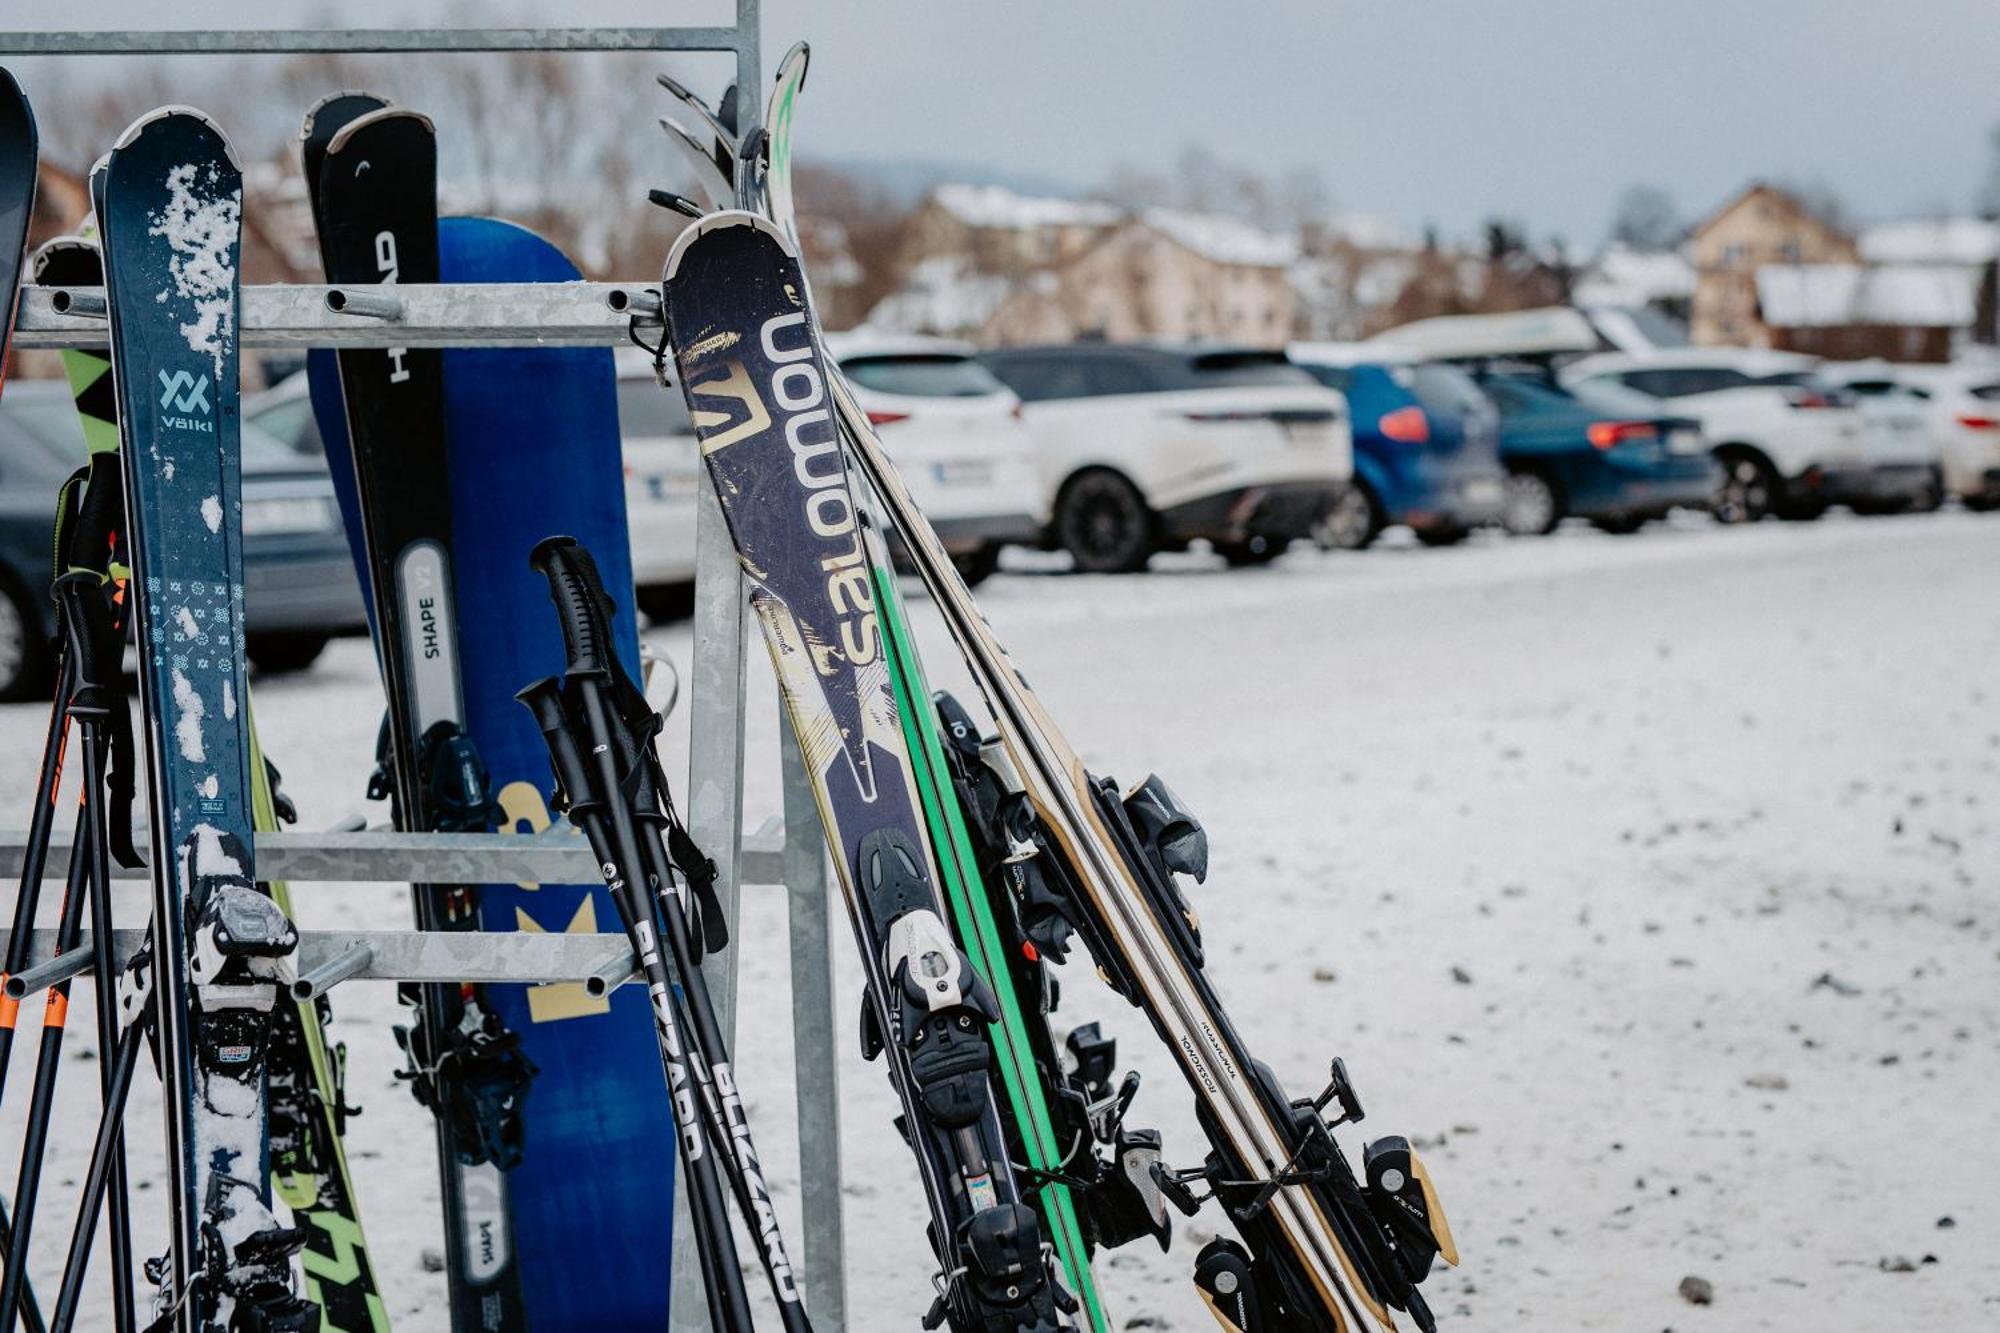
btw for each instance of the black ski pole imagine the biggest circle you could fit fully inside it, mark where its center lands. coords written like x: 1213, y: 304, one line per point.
x: 34, y: 1141
x: 577, y: 589
x: 107, y: 1153
x: 97, y: 644
x: 728, y: 1303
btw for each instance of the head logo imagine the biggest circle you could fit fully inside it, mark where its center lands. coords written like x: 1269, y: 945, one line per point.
x: 184, y: 393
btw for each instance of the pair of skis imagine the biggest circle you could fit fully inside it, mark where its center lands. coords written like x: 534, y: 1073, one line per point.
x: 1321, y: 1250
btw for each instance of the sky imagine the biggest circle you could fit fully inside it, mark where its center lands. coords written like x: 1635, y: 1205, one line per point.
x: 1440, y: 112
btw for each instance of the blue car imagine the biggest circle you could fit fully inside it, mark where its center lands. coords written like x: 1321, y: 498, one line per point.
x: 1426, y: 451
x: 1596, y: 453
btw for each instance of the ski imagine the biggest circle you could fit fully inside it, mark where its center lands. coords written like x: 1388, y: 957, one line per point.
x: 19, y: 162
x: 1328, y: 1252
x: 170, y: 217
x: 756, y: 388
x: 375, y: 206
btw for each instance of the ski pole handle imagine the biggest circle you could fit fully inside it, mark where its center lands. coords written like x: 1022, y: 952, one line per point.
x: 544, y: 699
x: 581, y: 606
x: 92, y: 541
x: 92, y: 641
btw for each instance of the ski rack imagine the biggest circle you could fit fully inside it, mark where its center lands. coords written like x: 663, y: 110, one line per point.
x: 568, y: 314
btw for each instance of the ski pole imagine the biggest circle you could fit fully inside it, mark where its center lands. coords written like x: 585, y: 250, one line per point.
x: 578, y: 589
x: 723, y: 1281
x: 107, y: 1154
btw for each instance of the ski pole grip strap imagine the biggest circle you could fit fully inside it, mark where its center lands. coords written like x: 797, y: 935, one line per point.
x: 581, y: 605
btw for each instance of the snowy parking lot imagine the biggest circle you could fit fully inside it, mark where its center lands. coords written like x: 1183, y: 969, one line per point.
x: 1643, y: 881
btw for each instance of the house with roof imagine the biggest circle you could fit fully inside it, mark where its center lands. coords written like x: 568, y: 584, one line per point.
x: 1856, y: 312
x: 1969, y: 245
x: 1763, y: 225
x: 996, y: 267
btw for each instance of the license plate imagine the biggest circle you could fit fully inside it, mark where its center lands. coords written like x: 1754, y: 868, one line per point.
x: 289, y: 516
x: 963, y: 472
x: 1302, y: 436
x: 1484, y: 491
x: 1683, y: 441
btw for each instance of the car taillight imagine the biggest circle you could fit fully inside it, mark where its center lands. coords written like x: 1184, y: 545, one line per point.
x: 1611, y: 434
x: 1971, y: 422
x: 1017, y: 413
x: 1808, y: 398
x: 1406, y: 425
x: 878, y: 418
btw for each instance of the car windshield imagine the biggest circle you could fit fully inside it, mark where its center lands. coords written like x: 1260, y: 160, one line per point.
x: 1607, y: 396
x: 648, y: 412
x: 923, y: 375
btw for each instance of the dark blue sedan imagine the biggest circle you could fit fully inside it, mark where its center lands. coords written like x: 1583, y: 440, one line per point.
x: 1426, y: 449
x: 1594, y: 454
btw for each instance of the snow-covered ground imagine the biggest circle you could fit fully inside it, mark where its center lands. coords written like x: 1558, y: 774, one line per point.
x: 1644, y: 881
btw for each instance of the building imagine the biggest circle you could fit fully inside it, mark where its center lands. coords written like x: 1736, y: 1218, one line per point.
x: 1969, y: 245
x: 1854, y: 312
x: 996, y: 267
x: 1762, y: 225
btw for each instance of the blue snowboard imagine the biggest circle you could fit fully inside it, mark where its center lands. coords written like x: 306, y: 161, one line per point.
x: 535, y: 452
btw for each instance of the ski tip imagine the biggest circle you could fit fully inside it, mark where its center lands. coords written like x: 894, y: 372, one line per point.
x: 714, y: 222
x: 318, y: 108
x: 177, y: 112
x: 801, y: 53
x: 338, y: 144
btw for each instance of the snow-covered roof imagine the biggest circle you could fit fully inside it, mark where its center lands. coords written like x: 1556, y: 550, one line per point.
x: 1932, y: 241
x: 999, y: 207
x: 1365, y: 231
x: 943, y: 295
x: 1800, y: 296
x: 1226, y: 240
x: 1543, y: 332
x: 1626, y: 277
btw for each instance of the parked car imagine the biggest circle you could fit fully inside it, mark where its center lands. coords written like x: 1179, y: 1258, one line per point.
x: 1907, y: 472
x: 1426, y: 446
x: 1146, y: 447
x: 662, y: 463
x: 1599, y: 453
x: 1965, y: 425
x: 957, y: 437
x: 299, y: 589
x: 1784, y: 449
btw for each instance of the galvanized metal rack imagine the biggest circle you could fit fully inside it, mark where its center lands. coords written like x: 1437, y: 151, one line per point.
x: 792, y: 854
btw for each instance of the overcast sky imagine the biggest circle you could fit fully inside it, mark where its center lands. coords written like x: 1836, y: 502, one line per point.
x: 1442, y: 111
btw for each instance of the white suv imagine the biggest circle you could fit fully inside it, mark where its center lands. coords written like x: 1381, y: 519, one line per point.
x: 956, y: 435
x: 1897, y: 418
x: 662, y: 475
x: 1148, y: 446
x: 1785, y: 449
x: 1965, y: 425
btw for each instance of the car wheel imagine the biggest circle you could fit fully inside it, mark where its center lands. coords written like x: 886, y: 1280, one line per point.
x: 1104, y: 523
x: 1351, y: 523
x: 1931, y: 497
x: 1257, y: 550
x: 27, y: 663
x: 1533, y: 508
x: 1619, y: 525
x: 1748, y: 491
x: 276, y: 654
x: 1449, y: 534
x: 1800, y: 511
x: 975, y: 567
x: 664, y: 603
x: 1982, y: 504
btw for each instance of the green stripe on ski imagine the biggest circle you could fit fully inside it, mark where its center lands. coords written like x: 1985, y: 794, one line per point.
x: 339, y: 1275
x: 965, y: 891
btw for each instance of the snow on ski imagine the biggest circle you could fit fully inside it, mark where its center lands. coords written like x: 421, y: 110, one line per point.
x: 171, y: 218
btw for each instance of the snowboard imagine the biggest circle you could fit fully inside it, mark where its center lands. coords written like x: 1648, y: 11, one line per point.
x: 534, y: 452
